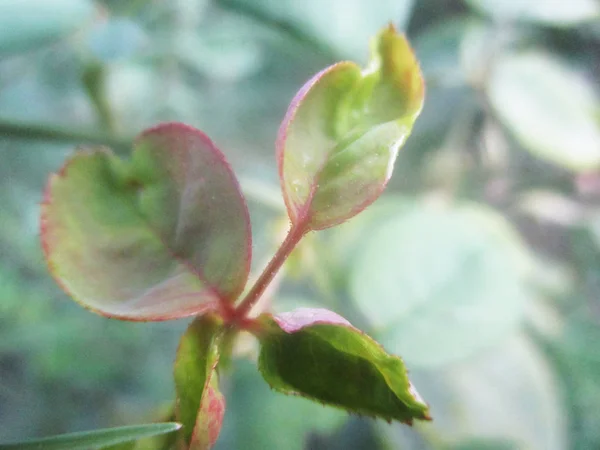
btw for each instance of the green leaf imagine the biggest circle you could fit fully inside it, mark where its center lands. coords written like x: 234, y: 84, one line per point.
x: 431, y: 278
x: 92, y: 440
x: 200, y: 405
x: 339, y: 139
x: 321, y: 356
x: 27, y: 24
x: 549, y: 107
x: 558, y: 13
x: 163, y: 236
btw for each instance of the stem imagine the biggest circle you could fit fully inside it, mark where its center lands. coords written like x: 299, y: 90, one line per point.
x: 291, y: 240
x: 94, y: 81
x: 57, y: 133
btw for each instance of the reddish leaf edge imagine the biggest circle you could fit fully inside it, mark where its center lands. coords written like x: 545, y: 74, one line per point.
x: 336, y: 320
x: 223, y: 404
x: 179, y: 126
x: 221, y: 305
x: 46, y: 203
x: 303, y: 217
x: 219, y: 333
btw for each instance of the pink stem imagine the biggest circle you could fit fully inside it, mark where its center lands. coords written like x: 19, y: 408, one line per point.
x: 291, y: 240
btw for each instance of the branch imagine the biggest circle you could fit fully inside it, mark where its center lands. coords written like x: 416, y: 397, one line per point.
x: 294, y: 236
x: 57, y: 133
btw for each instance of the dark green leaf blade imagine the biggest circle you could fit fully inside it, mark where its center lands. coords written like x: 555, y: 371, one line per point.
x: 93, y: 440
x: 338, y: 142
x: 164, y: 236
x: 320, y: 355
x: 200, y: 405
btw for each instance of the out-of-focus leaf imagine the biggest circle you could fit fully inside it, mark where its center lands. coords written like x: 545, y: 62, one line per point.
x: 549, y: 107
x: 580, y: 359
x: 338, y: 142
x: 484, y: 444
x: 200, y: 405
x: 342, y: 25
x: 93, y: 440
x: 116, y: 39
x: 554, y: 12
x: 438, y: 284
x: 438, y: 51
x: 258, y: 417
x: 320, y: 355
x: 26, y: 24
x: 509, y: 392
x: 357, y: 434
x: 164, y: 236
x: 221, y: 55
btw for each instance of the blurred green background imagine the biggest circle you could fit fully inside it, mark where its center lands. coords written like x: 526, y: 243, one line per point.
x: 480, y: 266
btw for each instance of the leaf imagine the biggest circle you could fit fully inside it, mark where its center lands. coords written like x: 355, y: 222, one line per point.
x: 92, y: 440
x: 116, y: 39
x: 164, y: 236
x: 438, y: 48
x: 210, y: 416
x: 27, y: 24
x: 557, y: 13
x: 200, y: 405
x: 510, y: 392
x: 485, y: 444
x: 339, y: 139
x: 430, y: 279
x: 320, y: 355
x: 549, y: 107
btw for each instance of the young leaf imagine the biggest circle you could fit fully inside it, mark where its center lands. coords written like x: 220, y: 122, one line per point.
x: 320, y: 355
x: 200, y: 405
x: 210, y: 416
x: 339, y: 139
x: 93, y: 440
x: 163, y: 236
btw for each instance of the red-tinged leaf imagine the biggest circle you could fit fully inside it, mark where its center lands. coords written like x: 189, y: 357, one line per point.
x: 200, y: 405
x: 339, y: 139
x: 210, y: 416
x: 163, y: 236
x: 320, y: 355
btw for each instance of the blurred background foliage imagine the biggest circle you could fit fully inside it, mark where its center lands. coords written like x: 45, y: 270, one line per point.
x: 480, y: 265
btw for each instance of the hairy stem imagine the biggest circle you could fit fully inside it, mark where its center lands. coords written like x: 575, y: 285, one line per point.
x: 291, y: 240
